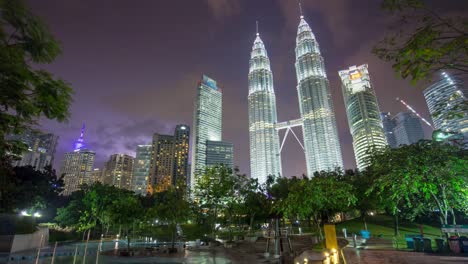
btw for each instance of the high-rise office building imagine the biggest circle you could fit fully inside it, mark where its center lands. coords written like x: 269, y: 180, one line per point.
x: 389, y: 125
x: 181, y: 153
x: 408, y: 129
x: 321, y: 143
x: 443, y: 98
x: 207, y: 123
x: 161, y: 163
x: 363, y: 112
x: 404, y: 128
x: 169, y: 159
x: 41, y: 149
x: 118, y: 171
x: 141, y: 169
x: 264, y: 141
x: 219, y: 153
x: 77, y: 166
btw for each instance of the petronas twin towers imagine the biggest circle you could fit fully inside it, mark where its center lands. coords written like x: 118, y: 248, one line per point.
x: 321, y: 144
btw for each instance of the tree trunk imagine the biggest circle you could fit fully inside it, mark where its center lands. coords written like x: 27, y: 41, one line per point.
x: 252, y: 217
x: 173, y: 239
x: 213, y: 231
x: 454, y: 219
x: 397, y: 228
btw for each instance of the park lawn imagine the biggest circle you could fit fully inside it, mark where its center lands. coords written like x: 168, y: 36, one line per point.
x: 383, y: 226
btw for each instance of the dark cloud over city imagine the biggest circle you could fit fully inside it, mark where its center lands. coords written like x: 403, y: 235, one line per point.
x: 134, y: 65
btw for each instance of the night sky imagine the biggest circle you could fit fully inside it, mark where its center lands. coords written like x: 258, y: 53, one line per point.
x: 134, y: 65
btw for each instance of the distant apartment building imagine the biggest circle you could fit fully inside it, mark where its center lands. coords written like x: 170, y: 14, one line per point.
x: 96, y: 176
x: 118, y: 171
x: 181, y: 154
x: 169, y: 161
x: 40, y: 149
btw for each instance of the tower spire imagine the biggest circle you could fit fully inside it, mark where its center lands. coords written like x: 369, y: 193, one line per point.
x: 257, y: 27
x: 79, y: 143
x: 300, y: 9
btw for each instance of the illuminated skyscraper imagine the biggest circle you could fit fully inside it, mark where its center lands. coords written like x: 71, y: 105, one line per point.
x: 181, y: 153
x: 77, y: 166
x: 264, y: 141
x: 207, y: 123
x: 161, y: 163
x: 322, y: 147
x: 443, y: 97
x: 363, y: 112
x: 118, y: 171
x: 141, y: 169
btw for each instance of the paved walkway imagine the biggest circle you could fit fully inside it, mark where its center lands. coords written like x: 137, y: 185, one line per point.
x: 356, y: 256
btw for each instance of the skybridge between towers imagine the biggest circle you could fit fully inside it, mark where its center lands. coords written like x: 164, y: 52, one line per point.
x: 288, y: 125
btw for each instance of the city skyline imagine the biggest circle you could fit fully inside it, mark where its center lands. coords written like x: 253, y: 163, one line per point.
x: 136, y: 120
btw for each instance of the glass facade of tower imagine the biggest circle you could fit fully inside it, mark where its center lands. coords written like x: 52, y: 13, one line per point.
x: 389, y: 125
x: 442, y: 97
x: 321, y: 143
x: 362, y: 111
x: 264, y: 141
x: 141, y: 169
x: 207, y: 123
x: 219, y: 153
x: 408, y: 129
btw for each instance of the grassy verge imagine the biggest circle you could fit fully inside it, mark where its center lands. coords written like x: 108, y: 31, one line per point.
x: 383, y: 226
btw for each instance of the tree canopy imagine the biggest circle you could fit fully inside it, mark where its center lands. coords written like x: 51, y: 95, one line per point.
x: 424, y: 41
x: 427, y: 177
x: 26, y: 91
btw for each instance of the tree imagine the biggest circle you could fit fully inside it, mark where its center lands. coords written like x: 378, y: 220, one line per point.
x: 318, y: 198
x: 27, y: 93
x: 124, y: 212
x: 171, y: 207
x: 365, y: 202
x: 216, y: 190
x: 256, y: 205
x: 426, y: 176
x: 425, y: 41
x: 31, y: 190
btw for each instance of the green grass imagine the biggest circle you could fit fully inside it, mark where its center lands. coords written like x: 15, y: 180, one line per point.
x: 383, y: 226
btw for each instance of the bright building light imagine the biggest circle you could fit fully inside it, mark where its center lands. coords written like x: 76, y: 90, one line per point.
x: 24, y: 213
x: 37, y: 214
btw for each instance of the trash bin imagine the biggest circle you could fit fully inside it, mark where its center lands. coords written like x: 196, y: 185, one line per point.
x: 365, y: 234
x: 464, y: 244
x: 418, y: 244
x: 440, y: 245
x: 427, y: 245
x: 409, y: 240
x: 454, y: 244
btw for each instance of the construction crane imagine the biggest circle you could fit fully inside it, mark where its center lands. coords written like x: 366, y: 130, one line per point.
x: 414, y: 112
